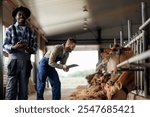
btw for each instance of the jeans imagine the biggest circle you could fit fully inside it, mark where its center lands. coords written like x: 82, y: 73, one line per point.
x: 46, y: 71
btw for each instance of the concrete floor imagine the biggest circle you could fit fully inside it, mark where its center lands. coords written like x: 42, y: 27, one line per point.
x: 47, y: 94
x: 68, y: 85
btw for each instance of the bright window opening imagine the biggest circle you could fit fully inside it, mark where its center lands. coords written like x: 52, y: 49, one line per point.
x: 86, y: 60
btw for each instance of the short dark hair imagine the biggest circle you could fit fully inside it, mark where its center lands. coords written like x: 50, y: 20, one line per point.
x: 72, y: 40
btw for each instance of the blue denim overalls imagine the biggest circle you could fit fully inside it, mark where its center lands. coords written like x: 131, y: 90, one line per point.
x: 46, y: 71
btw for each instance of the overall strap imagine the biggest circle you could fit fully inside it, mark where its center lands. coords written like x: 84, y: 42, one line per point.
x: 14, y: 29
x: 15, y: 39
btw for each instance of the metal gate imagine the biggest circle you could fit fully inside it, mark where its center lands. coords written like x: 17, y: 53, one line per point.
x: 141, y: 61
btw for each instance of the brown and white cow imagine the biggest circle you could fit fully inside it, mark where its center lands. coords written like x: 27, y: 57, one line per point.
x: 110, y: 84
x: 119, y: 90
x: 123, y: 82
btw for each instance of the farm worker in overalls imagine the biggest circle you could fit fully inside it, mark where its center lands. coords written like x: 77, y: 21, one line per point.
x: 20, y: 43
x: 55, y: 58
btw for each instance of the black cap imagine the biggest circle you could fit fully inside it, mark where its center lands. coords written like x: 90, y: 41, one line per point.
x: 21, y: 8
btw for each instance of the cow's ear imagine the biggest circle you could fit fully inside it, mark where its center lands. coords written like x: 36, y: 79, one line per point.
x: 118, y: 85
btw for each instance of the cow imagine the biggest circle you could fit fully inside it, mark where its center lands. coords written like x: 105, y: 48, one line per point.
x: 108, y: 82
x: 120, y: 82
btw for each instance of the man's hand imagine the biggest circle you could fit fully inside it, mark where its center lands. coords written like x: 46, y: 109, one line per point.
x: 28, y: 50
x: 65, y: 68
x: 19, y: 45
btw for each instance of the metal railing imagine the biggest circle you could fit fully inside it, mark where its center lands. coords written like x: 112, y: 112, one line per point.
x: 139, y: 45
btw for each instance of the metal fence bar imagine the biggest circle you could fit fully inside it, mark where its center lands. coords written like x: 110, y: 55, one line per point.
x: 134, y: 39
x: 139, y: 45
x: 129, y: 30
x: 145, y: 24
x: 121, y: 38
x: 138, y: 57
x: 145, y: 47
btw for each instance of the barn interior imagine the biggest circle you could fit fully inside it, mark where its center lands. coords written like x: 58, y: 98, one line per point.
x: 95, y: 25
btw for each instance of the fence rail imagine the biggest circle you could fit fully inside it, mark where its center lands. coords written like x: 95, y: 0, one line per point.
x: 144, y: 25
x: 139, y: 45
x: 136, y: 58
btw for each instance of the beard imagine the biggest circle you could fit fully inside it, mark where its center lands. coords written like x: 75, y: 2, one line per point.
x: 68, y: 49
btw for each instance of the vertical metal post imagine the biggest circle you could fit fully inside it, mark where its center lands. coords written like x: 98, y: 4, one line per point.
x: 144, y: 14
x: 145, y: 47
x: 129, y: 30
x: 115, y: 41
x: 1, y: 51
x: 121, y: 38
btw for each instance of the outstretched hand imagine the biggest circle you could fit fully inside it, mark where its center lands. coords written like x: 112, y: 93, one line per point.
x: 65, y: 68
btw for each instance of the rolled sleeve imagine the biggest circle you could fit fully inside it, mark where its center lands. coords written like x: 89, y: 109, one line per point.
x: 7, y: 45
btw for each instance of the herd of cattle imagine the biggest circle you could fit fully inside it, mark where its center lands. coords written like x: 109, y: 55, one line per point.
x: 108, y: 82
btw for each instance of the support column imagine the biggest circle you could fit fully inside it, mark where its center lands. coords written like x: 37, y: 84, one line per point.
x: 145, y: 47
x: 99, y: 34
x: 1, y: 51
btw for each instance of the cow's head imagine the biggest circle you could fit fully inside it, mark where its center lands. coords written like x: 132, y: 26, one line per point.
x: 112, y: 89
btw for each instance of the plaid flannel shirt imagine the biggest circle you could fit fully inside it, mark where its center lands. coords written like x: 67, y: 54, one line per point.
x: 25, y: 34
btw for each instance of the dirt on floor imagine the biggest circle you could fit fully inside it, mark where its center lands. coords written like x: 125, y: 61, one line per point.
x: 68, y: 85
